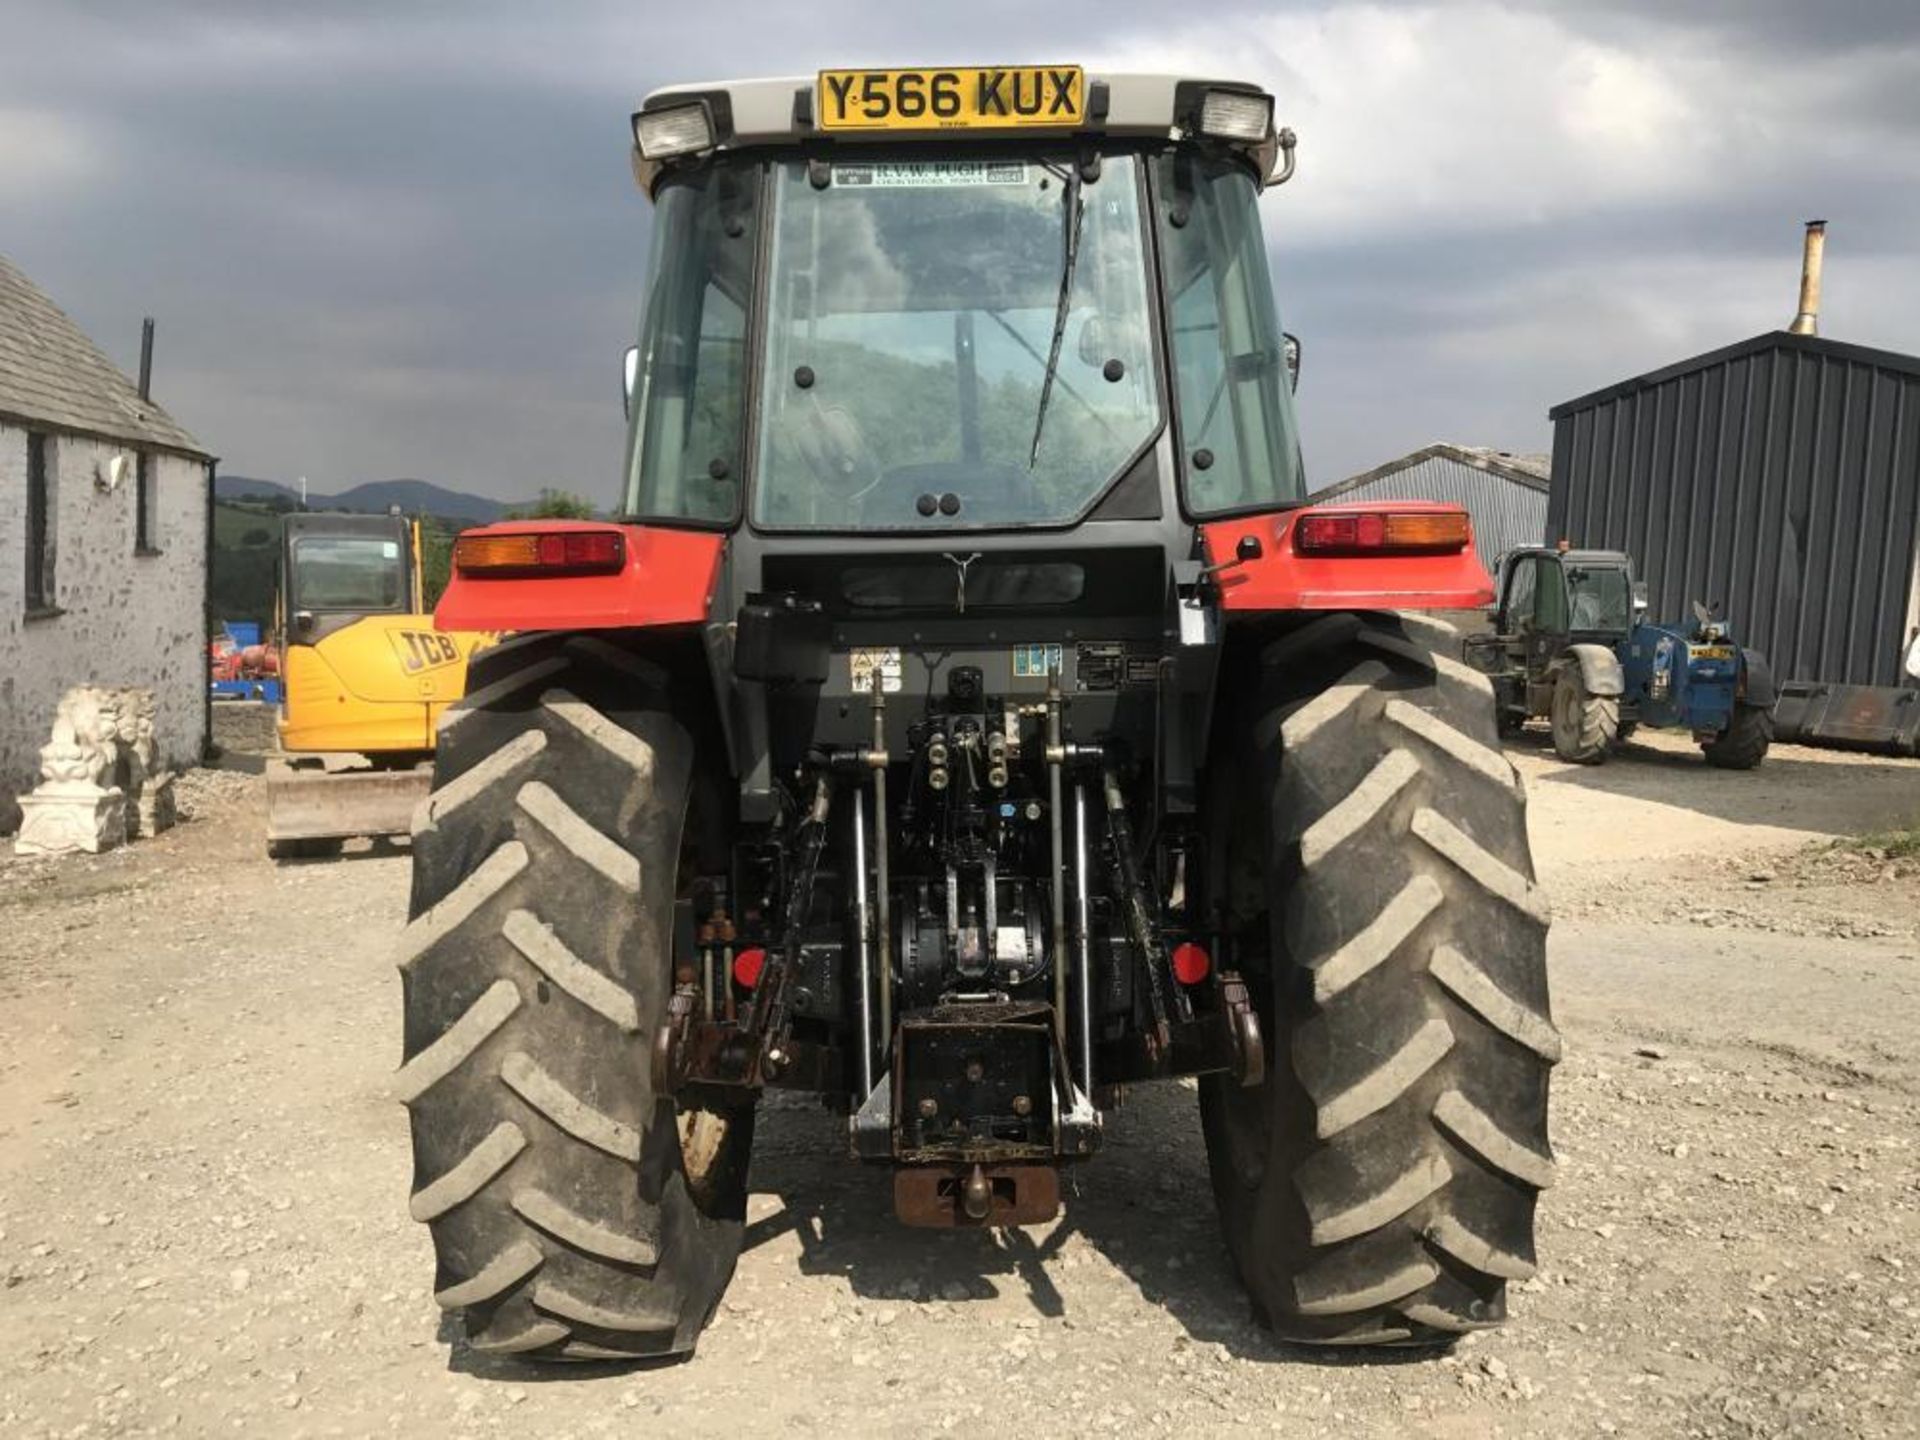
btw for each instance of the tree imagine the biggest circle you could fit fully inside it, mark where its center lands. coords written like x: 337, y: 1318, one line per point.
x: 556, y: 505
x: 436, y: 559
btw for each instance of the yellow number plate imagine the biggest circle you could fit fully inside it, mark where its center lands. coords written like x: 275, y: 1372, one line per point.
x: 1710, y: 652
x: 994, y: 97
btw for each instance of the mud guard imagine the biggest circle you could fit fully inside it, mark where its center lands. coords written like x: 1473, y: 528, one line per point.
x: 1272, y: 574
x: 667, y: 577
x: 1757, y: 687
x: 1600, y: 670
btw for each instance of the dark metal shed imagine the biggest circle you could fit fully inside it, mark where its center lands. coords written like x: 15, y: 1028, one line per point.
x: 1780, y: 478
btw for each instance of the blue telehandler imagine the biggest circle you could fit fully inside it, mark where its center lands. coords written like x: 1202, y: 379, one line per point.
x: 1570, y: 642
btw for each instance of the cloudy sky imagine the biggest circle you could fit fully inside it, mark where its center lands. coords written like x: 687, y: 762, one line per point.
x: 388, y: 239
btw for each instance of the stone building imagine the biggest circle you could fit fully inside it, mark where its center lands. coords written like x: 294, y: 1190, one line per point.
x: 103, y: 540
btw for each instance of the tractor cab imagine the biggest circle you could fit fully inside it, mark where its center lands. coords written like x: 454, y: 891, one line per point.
x: 1590, y: 593
x: 866, y: 314
x: 1550, y: 599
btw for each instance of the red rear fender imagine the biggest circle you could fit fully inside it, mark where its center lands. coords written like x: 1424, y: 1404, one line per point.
x: 1282, y: 578
x: 667, y: 578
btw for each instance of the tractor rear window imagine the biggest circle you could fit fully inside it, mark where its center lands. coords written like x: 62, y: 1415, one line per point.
x: 911, y: 326
x: 342, y: 572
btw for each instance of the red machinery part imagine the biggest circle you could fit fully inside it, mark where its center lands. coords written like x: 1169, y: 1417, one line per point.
x: 664, y: 577
x: 1191, y: 963
x: 1349, y: 561
x: 747, y: 966
x: 258, y: 662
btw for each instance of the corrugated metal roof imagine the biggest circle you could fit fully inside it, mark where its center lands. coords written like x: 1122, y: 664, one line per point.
x: 1772, y: 340
x: 1779, y: 478
x: 51, y: 374
x: 1506, y: 494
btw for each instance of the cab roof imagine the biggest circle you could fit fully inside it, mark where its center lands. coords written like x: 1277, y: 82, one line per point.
x: 778, y: 111
x: 329, y: 522
x: 1576, y: 557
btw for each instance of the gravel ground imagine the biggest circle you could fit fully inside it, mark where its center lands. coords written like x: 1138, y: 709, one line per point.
x: 202, y: 1180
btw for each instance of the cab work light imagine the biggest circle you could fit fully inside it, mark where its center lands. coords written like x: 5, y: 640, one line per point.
x: 548, y: 553
x: 1235, y: 115
x: 1369, y: 532
x: 678, y: 130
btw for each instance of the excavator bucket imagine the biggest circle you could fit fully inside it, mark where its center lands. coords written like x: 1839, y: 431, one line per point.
x: 309, y: 802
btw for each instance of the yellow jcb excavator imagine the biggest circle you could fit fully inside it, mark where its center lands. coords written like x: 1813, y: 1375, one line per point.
x: 366, y: 676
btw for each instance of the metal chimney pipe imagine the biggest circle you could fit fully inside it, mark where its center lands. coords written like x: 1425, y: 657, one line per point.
x: 146, y: 358
x: 1807, y: 322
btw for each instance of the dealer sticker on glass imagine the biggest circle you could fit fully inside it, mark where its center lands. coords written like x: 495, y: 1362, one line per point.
x: 920, y: 174
x: 882, y: 658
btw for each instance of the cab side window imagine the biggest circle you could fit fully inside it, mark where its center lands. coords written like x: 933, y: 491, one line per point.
x: 1550, y: 598
x: 1519, y: 604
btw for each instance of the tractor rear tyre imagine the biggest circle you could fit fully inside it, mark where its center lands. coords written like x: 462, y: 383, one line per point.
x: 1585, y: 726
x: 1378, y: 1187
x: 575, y: 1215
x: 1743, y: 744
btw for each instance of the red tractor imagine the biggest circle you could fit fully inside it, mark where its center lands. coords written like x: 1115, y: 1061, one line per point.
x: 963, y: 719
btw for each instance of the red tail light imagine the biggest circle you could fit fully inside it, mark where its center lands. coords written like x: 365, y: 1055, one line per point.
x: 1191, y: 963
x: 543, y: 552
x: 1375, y: 532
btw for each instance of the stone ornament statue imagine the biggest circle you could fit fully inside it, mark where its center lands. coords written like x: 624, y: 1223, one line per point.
x: 100, y: 758
x: 149, y: 791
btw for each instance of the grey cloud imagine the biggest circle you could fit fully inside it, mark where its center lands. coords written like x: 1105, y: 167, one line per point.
x: 390, y: 240
x: 1767, y: 26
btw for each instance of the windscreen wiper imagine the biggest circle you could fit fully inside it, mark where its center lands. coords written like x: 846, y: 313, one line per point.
x: 1076, y: 211
x: 1041, y: 360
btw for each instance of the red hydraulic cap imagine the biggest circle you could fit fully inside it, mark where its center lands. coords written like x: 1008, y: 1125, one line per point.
x: 1191, y: 963
x: 747, y: 966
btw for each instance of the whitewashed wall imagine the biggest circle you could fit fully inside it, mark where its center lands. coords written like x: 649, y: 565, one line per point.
x: 128, y: 619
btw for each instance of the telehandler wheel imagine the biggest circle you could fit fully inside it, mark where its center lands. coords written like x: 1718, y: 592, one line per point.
x: 1744, y: 743
x: 575, y: 1216
x: 1378, y: 1187
x: 1585, y: 726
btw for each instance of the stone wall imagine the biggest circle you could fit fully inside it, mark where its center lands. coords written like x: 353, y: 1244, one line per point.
x: 126, y: 619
